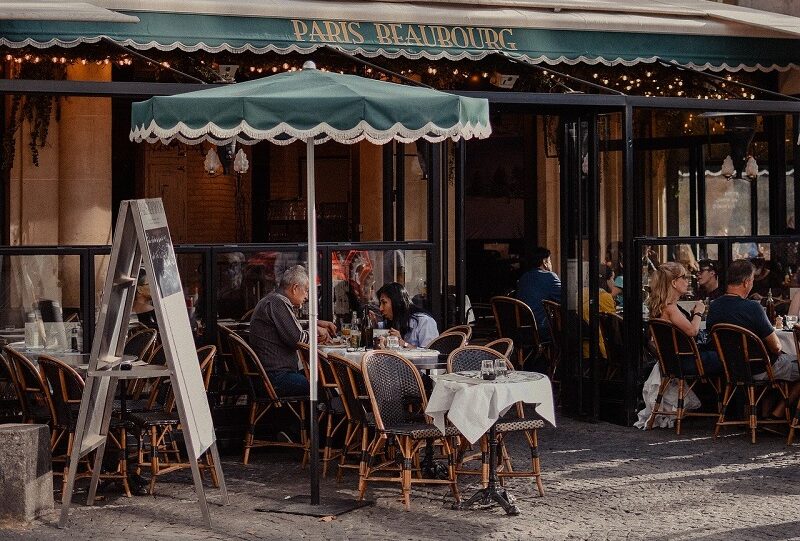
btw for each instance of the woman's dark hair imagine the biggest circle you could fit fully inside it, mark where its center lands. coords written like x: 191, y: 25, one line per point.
x: 402, y: 308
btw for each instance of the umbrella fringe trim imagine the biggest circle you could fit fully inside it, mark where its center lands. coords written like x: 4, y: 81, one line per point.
x: 284, y: 134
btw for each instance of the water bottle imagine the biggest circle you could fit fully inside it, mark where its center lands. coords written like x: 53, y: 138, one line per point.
x: 32, y: 337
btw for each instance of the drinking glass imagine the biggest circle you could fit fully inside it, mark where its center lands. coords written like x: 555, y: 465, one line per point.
x: 346, y: 331
x: 392, y: 342
x: 487, y: 369
x: 791, y: 321
x: 500, y: 368
x: 355, y: 338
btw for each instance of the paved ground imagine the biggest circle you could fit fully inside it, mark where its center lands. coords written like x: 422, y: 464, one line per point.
x: 602, y: 481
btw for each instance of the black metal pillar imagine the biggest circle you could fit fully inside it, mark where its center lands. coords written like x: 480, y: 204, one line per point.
x: 776, y: 136
x: 400, y: 191
x: 435, y: 267
x: 460, y: 233
x: 632, y: 298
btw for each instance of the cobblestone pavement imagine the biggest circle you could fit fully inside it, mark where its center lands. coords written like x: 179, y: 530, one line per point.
x: 602, y: 481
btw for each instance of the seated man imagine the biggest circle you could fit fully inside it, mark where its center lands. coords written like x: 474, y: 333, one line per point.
x: 734, y: 308
x: 539, y: 284
x: 275, y: 332
x: 708, y: 280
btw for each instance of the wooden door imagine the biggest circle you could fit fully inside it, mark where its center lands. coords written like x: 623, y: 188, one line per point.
x: 166, y: 178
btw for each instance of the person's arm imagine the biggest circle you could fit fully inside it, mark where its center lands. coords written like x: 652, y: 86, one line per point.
x: 286, y: 324
x: 424, y: 332
x: 773, y: 343
x: 691, y: 328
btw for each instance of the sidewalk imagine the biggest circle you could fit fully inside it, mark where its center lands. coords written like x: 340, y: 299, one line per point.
x: 602, y: 481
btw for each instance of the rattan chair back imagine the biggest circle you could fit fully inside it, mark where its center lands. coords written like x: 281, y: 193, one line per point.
x: 31, y: 388
x: 249, y: 367
x: 514, y: 320
x: 466, y: 329
x: 672, y: 346
x: 470, y: 357
x: 341, y: 370
x: 552, y: 311
x: 796, y: 335
x: 742, y: 353
x: 395, y: 389
x: 448, y: 342
x: 66, y: 390
x: 140, y: 343
x: 504, y: 346
x: 611, y: 328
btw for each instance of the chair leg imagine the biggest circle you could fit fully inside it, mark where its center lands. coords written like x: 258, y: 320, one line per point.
x: 405, y: 444
x: 485, y: 461
x: 123, y: 461
x: 657, y: 404
x: 794, y: 425
x: 679, y: 409
x: 153, y: 458
x: 248, y: 437
x: 326, y: 454
x: 536, y: 465
x: 753, y: 419
x: 451, y: 470
x: 726, y: 399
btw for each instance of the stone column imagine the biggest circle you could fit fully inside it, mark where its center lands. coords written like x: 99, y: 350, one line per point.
x: 84, y: 193
x: 26, y: 472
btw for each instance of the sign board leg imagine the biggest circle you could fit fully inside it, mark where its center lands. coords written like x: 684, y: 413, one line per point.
x: 218, y: 468
x: 98, y: 459
x: 198, y: 488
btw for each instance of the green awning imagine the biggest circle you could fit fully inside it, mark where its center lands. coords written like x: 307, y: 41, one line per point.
x: 215, y: 33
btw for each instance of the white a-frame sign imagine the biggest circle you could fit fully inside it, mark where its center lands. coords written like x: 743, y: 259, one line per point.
x: 141, y: 237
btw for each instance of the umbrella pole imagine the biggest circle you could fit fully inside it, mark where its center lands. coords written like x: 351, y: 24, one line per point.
x: 313, y: 315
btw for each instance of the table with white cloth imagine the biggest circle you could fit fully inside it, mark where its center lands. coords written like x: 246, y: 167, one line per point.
x: 422, y: 358
x: 787, y: 341
x: 474, y: 405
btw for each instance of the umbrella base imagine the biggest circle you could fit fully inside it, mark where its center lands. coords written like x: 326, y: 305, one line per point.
x: 301, y: 505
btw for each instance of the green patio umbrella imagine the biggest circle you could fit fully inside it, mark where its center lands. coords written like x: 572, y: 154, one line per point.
x: 313, y: 106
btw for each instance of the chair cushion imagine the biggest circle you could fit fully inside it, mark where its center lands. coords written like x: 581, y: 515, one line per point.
x: 519, y: 424
x: 420, y: 431
x: 154, y: 418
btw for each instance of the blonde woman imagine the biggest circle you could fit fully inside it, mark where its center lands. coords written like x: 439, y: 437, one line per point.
x: 667, y: 284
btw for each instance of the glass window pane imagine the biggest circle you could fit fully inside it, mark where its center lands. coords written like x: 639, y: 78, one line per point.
x: 727, y: 205
x: 416, y: 193
x: 358, y: 274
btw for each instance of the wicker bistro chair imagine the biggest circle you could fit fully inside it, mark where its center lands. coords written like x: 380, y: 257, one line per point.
x: 611, y: 334
x: 552, y: 311
x: 514, y: 320
x: 263, y: 399
x: 357, y: 411
x: 469, y: 358
x: 10, y: 402
x: 796, y: 420
x: 332, y: 417
x: 446, y: 343
x: 466, y: 329
x: 141, y: 344
x: 503, y: 346
x: 160, y: 422
x: 398, y: 401
x: 65, y: 392
x: 744, y: 356
x: 672, y: 347
x: 31, y: 389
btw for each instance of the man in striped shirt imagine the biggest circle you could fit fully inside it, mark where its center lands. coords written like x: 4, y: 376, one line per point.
x: 275, y: 332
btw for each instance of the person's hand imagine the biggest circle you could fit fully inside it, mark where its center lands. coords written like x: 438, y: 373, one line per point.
x: 381, y: 342
x: 394, y: 332
x: 756, y: 297
x: 698, y: 308
x: 328, y: 326
x: 323, y: 336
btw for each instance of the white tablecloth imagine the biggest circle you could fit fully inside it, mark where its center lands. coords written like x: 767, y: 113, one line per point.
x: 474, y: 405
x: 418, y: 356
x: 787, y: 342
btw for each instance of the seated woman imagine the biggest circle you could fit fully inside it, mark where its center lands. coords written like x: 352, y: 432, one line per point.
x: 412, y: 325
x: 667, y: 284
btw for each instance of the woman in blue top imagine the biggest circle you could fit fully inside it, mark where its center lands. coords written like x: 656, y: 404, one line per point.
x: 412, y: 325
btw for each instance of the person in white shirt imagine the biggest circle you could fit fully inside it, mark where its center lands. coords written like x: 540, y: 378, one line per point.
x: 412, y: 325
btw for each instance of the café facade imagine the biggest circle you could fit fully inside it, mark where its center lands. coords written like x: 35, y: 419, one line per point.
x: 611, y: 128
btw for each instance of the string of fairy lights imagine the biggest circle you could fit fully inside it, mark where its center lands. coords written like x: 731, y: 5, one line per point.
x: 643, y: 79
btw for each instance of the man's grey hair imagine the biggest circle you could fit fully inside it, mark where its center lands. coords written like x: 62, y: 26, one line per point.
x: 295, y: 275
